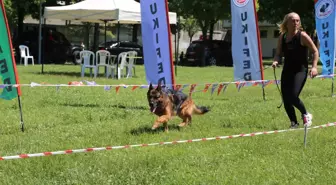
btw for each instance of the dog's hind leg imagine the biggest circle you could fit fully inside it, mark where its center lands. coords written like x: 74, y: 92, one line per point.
x: 189, y: 120
x: 165, y: 125
x: 184, y: 122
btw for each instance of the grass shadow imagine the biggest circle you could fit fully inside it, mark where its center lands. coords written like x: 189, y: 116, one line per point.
x: 75, y: 74
x: 90, y: 105
x: 132, y: 107
x: 80, y: 105
x: 148, y: 130
x: 60, y: 73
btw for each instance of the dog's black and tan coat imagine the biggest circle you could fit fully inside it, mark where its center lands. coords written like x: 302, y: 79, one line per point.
x: 167, y: 103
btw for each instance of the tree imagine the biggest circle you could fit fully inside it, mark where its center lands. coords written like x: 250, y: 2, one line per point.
x: 21, y: 7
x: 10, y: 12
x: 18, y: 9
x: 304, y: 8
x: 190, y: 26
x: 206, y: 12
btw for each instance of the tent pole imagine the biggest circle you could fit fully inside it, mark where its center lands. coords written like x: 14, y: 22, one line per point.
x: 105, y: 45
x: 105, y: 21
x: 118, y: 32
x: 44, y: 44
x: 118, y: 35
x: 40, y: 34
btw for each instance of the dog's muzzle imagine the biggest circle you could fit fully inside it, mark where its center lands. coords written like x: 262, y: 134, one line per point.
x: 152, y: 106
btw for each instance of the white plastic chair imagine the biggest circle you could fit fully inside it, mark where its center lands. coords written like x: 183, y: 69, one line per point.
x: 131, y: 63
x: 25, y: 55
x: 122, y: 63
x: 113, y: 64
x: 102, y: 59
x: 86, y: 57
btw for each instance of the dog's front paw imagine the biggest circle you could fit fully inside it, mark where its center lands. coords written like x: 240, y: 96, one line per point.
x: 155, y: 125
x: 182, y: 124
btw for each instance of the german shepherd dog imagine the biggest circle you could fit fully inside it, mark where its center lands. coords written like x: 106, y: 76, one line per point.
x: 167, y: 103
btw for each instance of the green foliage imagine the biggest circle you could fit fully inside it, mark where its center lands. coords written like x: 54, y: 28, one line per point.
x: 206, y: 12
x: 30, y: 7
x: 26, y: 7
x: 274, y: 15
x: 109, y: 34
x: 10, y: 12
x: 257, y: 5
x: 190, y: 26
x: 178, y: 7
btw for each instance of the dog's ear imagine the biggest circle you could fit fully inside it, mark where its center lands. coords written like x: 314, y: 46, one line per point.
x: 150, y: 86
x: 149, y: 90
x: 159, y: 87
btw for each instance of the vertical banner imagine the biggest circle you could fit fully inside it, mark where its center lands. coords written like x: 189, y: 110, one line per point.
x: 325, y: 28
x: 156, y: 42
x: 246, y: 50
x: 8, y: 73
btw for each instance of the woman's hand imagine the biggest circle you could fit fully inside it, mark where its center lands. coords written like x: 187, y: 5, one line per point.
x: 274, y: 64
x: 313, y: 72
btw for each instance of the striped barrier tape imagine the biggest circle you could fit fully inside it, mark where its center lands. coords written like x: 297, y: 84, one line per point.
x: 44, y: 154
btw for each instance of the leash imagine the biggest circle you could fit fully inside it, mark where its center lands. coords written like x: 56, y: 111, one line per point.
x: 276, y: 82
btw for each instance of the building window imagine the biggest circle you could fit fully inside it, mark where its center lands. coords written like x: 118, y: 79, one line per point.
x: 276, y: 34
x: 263, y: 33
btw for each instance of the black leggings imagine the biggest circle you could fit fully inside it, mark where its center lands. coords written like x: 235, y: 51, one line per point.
x: 291, y: 86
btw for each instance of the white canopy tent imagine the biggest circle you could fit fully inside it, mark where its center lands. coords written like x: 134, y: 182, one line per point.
x: 101, y: 11
x: 122, y: 11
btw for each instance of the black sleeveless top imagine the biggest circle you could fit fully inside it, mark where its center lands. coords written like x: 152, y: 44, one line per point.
x: 296, y: 55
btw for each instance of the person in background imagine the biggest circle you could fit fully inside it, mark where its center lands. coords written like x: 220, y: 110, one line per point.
x: 82, y: 45
x: 50, y: 36
x: 181, y: 57
x: 294, y: 43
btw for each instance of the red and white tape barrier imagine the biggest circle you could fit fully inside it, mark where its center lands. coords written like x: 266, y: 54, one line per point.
x: 23, y: 156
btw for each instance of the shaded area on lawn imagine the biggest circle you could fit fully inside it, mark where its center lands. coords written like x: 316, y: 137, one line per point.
x: 108, y: 106
x: 148, y: 129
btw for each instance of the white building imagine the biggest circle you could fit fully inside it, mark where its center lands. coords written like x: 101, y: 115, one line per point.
x: 269, y: 34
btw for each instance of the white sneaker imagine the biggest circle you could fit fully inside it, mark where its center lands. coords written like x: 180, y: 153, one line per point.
x: 307, y: 119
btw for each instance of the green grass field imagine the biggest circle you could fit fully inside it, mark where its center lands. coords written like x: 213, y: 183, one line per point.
x: 83, y: 117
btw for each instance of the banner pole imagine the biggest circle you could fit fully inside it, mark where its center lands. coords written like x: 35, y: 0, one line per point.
x: 21, y: 115
x: 176, y: 53
x: 332, y: 88
x: 170, y: 45
x: 263, y: 92
x: 259, y: 50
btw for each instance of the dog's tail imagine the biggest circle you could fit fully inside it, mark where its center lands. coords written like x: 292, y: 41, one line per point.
x: 200, y: 109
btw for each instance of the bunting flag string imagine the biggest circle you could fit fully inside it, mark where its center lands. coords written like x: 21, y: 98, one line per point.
x: 193, y: 86
x: 206, y: 87
x: 214, y: 86
x: 220, y: 86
